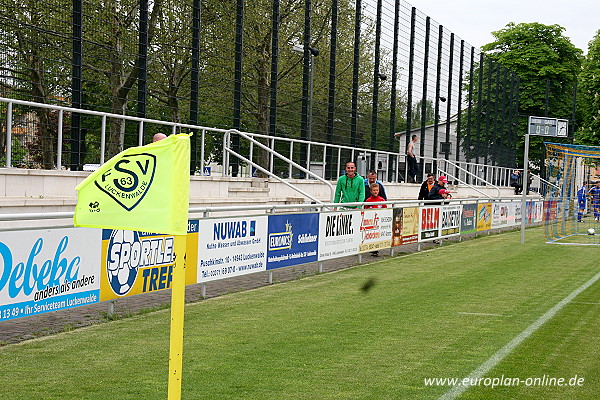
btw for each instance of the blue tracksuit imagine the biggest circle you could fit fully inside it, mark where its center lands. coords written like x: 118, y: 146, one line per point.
x: 595, y: 193
x: 581, y: 200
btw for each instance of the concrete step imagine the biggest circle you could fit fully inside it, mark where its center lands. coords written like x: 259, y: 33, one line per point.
x: 261, y: 192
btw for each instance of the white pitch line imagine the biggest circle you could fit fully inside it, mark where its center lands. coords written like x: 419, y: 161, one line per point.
x: 494, y: 360
x: 585, y: 302
x: 484, y: 314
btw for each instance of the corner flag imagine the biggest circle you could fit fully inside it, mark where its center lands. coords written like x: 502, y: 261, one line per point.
x: 144, y: 188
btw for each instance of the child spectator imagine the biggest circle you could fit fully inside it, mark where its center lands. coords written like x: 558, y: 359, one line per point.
x: 375, y: 197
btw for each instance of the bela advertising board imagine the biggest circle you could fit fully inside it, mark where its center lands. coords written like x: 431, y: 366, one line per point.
x: 375, y: 229
x: 405, y: 226
x: 48, y: 270
x: 136, y: 262
x: 429, y: 223
x: 339, y: 234
x: 293, y: 239
x: 231, y: 247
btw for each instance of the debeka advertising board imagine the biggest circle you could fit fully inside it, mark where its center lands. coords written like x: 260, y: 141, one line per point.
x: 231, y: 247
x: 375, y: 229
x: 292, y: 240
x: 48, y: 270
x: 339, y: 234
x: 136, y: 262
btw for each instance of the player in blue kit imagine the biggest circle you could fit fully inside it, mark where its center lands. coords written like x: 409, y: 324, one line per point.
x: 595, y: 194
x: 581, y: 200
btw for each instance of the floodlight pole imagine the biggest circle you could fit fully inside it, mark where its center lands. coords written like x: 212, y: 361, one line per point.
x: 525, y: 188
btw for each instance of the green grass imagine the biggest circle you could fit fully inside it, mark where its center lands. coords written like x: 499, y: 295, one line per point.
x: 323, y: 338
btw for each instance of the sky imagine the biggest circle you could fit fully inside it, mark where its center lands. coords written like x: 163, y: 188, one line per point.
x: 474, y: 20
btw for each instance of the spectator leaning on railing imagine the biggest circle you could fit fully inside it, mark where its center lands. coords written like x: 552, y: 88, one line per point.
x: 426, y: 187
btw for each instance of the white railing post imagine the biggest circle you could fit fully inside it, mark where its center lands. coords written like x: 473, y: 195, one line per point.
x: 271, y: 161
x: 324, y: 161
x: 141, y: 134
x: 202, y: 142
x: 291, y: 158
x: 9, y: 121
x: 307, y: 159
x: 103, y: 139
x: 59, y: 140
x: 226, y: 141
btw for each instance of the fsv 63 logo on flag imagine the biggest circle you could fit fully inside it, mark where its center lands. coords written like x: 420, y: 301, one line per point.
x: 128, y: 181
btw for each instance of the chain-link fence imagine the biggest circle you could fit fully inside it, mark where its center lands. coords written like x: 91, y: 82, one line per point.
x: 360, y: 73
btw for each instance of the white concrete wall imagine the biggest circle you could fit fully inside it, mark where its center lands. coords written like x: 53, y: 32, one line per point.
x: 56, y: 189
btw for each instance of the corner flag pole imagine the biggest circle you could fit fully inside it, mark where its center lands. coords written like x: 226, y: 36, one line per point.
x: 177, y: 317
x: 524, y: 192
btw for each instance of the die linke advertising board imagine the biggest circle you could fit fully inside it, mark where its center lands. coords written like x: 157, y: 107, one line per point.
x: 231, y: 247
x: 292, y: 240
x: 48, y: 270
x: 136, y: 262
x: 339, y: 234
x: 375, y: 229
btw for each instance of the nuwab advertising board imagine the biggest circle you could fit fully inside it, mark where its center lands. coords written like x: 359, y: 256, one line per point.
x: 231, y: 247
x: 48, y: 270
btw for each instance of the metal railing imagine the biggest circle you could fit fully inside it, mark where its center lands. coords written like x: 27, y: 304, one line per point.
x: 391, y: 166
x: 272, y: 153
x: 446, y: 170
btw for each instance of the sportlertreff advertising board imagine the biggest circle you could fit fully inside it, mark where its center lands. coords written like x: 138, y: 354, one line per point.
x: 136, y: 262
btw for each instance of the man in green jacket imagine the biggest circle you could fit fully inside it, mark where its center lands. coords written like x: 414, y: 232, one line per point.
x: 350, y: 187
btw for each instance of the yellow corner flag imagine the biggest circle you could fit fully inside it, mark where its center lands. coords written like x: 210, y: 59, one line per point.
x: 144, y: 188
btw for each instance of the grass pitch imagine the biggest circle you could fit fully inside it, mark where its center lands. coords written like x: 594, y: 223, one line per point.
x: 435, y: 314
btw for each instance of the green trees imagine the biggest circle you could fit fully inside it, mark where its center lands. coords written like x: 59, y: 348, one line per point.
x: 547, y: 64
x: 589, y: 95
